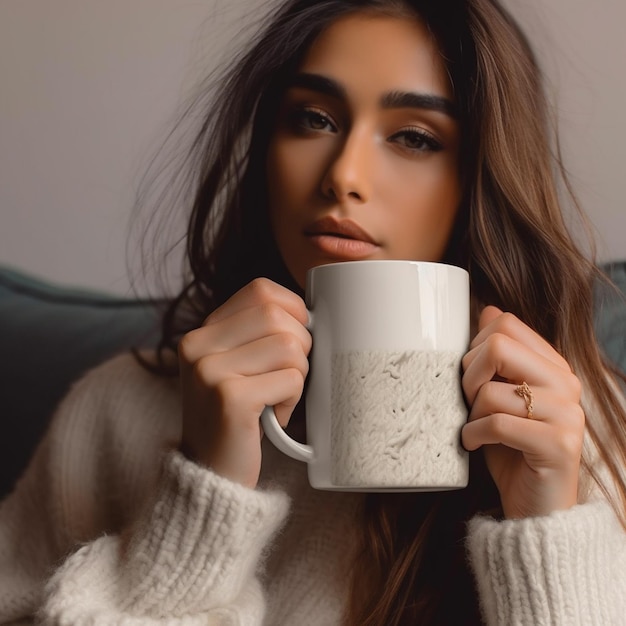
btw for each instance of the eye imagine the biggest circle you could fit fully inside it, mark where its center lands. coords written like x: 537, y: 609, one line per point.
x: 312, y: 119
x: 416, y: 139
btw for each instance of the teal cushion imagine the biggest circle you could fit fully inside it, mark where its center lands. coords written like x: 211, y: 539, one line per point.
x: 610, y: 315
x: 49, y: 336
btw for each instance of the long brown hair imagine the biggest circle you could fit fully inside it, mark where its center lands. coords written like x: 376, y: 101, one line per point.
x: 510, y: 235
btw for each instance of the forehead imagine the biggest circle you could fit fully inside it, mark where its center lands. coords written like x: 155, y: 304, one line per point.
x: 384, y: 52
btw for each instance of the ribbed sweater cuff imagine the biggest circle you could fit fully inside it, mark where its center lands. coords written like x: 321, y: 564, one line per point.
x: 546, y: 570
x: 201, y: 541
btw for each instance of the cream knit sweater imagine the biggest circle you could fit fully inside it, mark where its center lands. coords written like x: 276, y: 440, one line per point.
x: 110, y: 525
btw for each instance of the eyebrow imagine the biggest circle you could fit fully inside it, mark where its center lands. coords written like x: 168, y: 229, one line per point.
x: 391, y: 100
x: 412, y: 100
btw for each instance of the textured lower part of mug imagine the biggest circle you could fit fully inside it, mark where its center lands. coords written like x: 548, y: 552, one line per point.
x: 397, y: 419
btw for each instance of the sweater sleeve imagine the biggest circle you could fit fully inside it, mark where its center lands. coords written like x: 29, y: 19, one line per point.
x: 563, y: 569
x: 191, y: 557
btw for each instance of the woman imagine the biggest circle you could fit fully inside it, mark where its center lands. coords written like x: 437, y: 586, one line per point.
x: 378, y: 129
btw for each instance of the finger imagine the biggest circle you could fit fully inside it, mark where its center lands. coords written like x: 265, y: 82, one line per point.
x: 529, y: 436
x: 281, y: 389
x: 489, y: 314
x: 502, y: 357
x: 492, y: 320
x: 277, y: 352
x: 542, y: 444
x: 501, y: 397
x: 258, y: 292
x: 242, y: 327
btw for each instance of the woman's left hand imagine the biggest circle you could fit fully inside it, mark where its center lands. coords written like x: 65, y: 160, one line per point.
x: 534, y: 460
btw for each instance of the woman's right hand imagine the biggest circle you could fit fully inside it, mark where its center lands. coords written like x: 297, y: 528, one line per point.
x: 250, y: 352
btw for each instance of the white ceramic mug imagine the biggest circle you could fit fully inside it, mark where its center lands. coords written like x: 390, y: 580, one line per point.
x: 384, y: 405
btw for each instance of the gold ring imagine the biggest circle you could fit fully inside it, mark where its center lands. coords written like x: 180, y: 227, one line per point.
x: 524, y: 391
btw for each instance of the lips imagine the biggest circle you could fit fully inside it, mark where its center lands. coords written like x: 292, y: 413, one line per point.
x: 342, y: 239
x: 346, y: 229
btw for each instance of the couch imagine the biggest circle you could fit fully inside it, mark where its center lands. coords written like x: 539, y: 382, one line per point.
x: 50, y: 335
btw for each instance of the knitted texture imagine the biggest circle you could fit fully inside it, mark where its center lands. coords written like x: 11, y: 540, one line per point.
x: 110, y: 525
x: 562, y: 569
x: 193, y: 552
x: 396, y: 418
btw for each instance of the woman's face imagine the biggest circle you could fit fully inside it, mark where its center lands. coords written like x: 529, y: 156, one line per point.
x: 363, y: 161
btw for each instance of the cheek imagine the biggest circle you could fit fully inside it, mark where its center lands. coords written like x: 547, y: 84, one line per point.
x: 286, y: 168
x: 296, y: 167
x: 275, y: 174
x: 430, y: 206
x: 286, y: 176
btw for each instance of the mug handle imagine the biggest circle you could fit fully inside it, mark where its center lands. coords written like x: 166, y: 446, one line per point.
x: 287, y: 445
x: 275, y: 433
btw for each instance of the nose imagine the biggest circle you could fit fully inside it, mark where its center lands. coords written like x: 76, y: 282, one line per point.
x: 348, y: 175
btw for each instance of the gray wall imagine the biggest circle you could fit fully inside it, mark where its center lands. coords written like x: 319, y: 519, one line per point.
x: 87, y: 89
